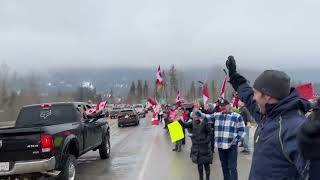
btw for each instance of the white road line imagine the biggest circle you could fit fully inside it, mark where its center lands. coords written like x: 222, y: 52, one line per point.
x: 146, y: 160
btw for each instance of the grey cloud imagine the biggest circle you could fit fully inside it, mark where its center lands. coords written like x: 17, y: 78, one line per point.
x: 149, y: 32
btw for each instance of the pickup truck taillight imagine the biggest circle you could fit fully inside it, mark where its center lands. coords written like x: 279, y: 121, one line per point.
x: 46, y: 143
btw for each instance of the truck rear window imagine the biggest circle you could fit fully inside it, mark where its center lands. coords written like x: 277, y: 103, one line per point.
x: 38, y: 116
x: 127, y: 111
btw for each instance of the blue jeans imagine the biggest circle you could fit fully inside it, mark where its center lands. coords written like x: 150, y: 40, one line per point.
x: 228, y: 158
x: 245, y: 141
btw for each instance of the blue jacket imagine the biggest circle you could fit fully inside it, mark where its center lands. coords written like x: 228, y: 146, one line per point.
x: 276, y: 154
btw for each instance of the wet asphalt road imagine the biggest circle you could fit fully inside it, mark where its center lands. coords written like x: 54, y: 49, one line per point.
x: 144, y: 152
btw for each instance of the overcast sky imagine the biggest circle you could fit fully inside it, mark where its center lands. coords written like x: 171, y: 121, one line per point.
x: 269, y: 33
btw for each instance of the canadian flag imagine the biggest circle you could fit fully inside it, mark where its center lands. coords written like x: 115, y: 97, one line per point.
x: 178, y: 99
x: 151, y: 102
x: 206, y: 96
x: 154, y: 119
x: 99, y: 106
x: 223, y: 88
x: 159, y: 75
x: 235, y: 101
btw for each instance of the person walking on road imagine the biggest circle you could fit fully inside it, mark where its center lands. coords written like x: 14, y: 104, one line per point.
x: 160, y: 115
x: 229, y: 130
x: 211, y: 110
x: 201, y: 153
x: 246, y: 118
x: 175, y: 115
x: 279, y: 112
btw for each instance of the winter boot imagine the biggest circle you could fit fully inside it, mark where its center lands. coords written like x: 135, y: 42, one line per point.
x: 179, y: 148
x: 175, y: 148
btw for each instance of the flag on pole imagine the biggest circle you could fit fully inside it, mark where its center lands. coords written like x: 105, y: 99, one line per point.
x: 154, y: 119
x: 151, y: 103
x: 178, y: 99
x: 223, y: 88
x: 235, y: 101
x: 159, y: 80
x: 103, y: 105
x: 306, y: 90
x: 99, y: 106
x: 206, y: 96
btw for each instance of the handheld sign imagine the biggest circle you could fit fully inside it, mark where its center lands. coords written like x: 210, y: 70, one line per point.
x: 176, y: 132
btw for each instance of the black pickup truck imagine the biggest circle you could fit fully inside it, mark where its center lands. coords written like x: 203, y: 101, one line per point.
x: 48, y: 138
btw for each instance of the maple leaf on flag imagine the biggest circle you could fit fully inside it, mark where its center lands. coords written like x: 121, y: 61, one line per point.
x: 206, y: 96
x: 159, y: 75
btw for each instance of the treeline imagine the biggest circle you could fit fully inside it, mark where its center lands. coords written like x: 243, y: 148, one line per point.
x: 190, y: 90
x: 13, y: 98
x: 174, y: 81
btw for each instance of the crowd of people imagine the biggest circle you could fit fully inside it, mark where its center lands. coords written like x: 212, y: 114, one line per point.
x: 287, y: 136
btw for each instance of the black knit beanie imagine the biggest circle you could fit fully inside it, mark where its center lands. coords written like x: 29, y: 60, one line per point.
x: 273, y: 83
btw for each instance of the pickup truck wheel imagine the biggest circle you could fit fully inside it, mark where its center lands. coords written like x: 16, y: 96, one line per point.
x: 105, y: 148
x: 69, y: 169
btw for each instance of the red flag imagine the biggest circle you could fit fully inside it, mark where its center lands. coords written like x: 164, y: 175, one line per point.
x: 103, y: 105
x: 155, y: 120
x: 152, y: 102
x: 306, y: 90
x: 178, y: 100
x: 223, y: 88
x: 99, y: 106
x: 159, y: 75
x: 235, y: 101
x: 206, y: 96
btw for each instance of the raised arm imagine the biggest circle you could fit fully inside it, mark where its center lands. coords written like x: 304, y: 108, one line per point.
x: 245, y: 91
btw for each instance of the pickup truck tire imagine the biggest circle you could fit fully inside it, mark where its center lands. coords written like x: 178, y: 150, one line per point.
x: 105, y: 148
x: 68, y: 171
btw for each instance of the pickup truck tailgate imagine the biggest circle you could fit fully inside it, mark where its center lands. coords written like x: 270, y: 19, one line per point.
x: 17, y: 144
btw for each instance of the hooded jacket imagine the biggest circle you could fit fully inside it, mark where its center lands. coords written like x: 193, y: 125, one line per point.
x: 276, y: 154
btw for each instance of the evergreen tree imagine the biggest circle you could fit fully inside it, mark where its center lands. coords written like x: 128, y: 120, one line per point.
x: 132, y: 93
x: 139, y: 91
x: 173, y: 82
x: 192, y: 92
x: 214, y: 91
x: 145, y: 90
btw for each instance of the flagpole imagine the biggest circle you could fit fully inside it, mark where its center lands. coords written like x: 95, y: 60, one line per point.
x: 225, y: 71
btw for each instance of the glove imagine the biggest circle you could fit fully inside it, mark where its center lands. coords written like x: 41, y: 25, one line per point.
x: 231, y: 65
x: 235, y: 78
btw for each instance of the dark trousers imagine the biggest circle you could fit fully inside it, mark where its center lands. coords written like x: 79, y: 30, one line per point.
x: 228, y: 158
x: 207, y: 170
x: 314, y: 170
x: 160, y: 116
